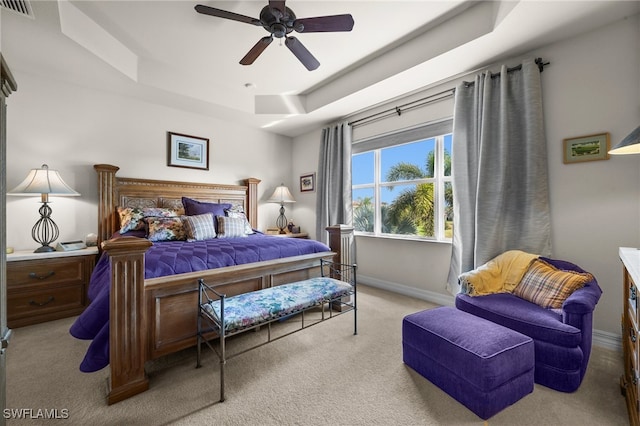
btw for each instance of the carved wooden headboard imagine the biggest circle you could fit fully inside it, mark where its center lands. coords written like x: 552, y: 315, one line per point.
x: 130, y: 192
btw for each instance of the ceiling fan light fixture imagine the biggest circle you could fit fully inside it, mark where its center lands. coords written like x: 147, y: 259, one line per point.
x: 279, y: 30
x: 278, y: 20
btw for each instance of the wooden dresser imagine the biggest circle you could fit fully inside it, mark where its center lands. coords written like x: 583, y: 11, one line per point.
x: 47, y: 286
x: 629, y: 385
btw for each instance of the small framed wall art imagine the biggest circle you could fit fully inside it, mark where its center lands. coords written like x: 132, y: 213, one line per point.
x: 586, y: 148
x: 308, y: 182
x: 187, y: 151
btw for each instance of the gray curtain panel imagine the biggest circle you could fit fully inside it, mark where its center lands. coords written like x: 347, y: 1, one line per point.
x: 499, y: 166
x: 334, y: 206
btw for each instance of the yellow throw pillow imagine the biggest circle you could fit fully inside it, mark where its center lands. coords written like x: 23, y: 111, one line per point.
x: 548, y: 286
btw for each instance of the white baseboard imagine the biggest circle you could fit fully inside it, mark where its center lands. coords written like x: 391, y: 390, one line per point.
x: 607, y: 340
x: 602, y: 339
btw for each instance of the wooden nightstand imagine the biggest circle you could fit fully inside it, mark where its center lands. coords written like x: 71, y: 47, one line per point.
x: 289, y: 235
x: 46, y: 286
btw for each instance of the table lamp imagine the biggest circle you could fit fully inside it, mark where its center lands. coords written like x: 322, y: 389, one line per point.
x: 629, y: 145
x: 44, y: 182
x: 281, y: 195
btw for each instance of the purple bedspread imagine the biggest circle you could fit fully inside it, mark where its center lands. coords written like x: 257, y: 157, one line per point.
x: 176, y: 257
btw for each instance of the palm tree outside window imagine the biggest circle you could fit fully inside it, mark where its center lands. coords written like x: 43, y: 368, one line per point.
x: 404, y: 189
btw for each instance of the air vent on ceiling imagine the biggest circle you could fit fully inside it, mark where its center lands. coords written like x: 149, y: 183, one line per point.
x: 23, y: 7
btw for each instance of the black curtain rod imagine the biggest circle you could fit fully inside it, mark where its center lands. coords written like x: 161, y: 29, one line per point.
x: 405, y: 107
x: 539, y: 62
x: 431, y: 98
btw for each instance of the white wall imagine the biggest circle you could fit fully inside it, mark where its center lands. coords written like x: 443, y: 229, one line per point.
x: 592, y: 85
x: 71, y: 128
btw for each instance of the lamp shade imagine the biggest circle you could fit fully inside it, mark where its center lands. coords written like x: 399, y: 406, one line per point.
x: 628, y: 145
x: 281, y: 195
x: 43, y: 181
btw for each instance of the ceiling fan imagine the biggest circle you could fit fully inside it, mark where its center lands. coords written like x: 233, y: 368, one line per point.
x: 279, y: 21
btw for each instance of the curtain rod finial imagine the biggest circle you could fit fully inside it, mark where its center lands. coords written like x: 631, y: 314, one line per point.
x: 541, y: 64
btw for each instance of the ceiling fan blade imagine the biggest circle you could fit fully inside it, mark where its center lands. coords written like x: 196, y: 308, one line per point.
x: 212, y: 11
x: 256, y: 50
x: 278, y: 5
x: 301, y: 52
x: 322, y: 24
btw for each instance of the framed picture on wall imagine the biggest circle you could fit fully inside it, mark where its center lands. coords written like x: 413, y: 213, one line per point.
x: 187, y: 151
x: 308, y: 182
x: 586, y: 148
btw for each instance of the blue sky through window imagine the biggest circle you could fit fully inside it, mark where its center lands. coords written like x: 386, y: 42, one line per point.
x: 415, y: 153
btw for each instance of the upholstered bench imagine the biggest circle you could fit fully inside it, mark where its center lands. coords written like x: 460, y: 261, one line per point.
x: 483, y: 365
x: 228, y: 316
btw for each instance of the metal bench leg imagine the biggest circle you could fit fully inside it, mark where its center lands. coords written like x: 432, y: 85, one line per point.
x: 223, y: 362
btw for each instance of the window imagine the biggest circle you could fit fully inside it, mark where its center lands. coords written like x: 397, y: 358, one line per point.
x: 401, y: 184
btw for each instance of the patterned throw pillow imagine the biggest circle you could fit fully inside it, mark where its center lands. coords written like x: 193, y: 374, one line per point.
x: 230, y: 227
x: 132, y: 218
x: 165, y: 228
x: 547, y: 286
x: 162, y: 212
x: 199, y: 227
x: 238, y: 212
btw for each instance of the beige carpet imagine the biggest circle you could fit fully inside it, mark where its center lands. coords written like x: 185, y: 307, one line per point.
x: 322, y: 375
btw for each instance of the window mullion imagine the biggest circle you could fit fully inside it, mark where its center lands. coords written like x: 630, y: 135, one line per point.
x: 378, y: 193
x: 437, y: 202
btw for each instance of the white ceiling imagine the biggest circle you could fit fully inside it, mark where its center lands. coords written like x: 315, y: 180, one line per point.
x: 163, y: 51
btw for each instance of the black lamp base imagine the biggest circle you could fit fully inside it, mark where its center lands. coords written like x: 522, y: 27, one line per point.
x: 45, y: 231
x: 281, y: 221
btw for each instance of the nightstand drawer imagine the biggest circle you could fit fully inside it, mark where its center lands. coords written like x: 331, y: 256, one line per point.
x: 46, y: 286
x: 50, y: 272
x: 26, y: 306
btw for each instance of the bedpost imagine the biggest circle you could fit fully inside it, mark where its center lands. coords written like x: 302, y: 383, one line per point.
x: 341, y: 241
x: 106, y: 201
x: 128, y: 326
x: 252, y: 201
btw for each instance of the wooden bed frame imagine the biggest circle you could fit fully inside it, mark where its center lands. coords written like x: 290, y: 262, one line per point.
x: 155, y: 317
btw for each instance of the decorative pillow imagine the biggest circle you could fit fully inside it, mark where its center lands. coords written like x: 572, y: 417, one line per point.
x: 238, y: 212
x: 132, y: 218
x: 165, y: 228
x: 162, y: 212
x: 547, y: 286
x: 199, y: 227
x: 194, y: 207
x: 230, y: 227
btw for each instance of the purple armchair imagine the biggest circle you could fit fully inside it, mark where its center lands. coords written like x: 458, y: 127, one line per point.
x: 562, y: 337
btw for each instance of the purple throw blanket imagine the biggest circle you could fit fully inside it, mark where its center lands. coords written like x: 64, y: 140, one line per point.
x: 176, y: 257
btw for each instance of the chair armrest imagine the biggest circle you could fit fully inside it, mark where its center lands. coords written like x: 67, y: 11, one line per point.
x: 583, y: 300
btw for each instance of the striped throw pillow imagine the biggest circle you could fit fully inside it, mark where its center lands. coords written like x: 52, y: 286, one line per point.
x: 547, y: 286
x: 238, y: 211
x: 199, y: 227
x: 230, y: 227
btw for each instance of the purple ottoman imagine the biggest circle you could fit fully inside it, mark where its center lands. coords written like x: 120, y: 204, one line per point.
x: 483, y: 365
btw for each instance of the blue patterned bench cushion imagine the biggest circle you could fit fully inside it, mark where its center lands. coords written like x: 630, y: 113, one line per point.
x: 249, y: 309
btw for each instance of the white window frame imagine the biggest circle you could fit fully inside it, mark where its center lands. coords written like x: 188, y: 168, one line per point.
x: 436, y: 131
